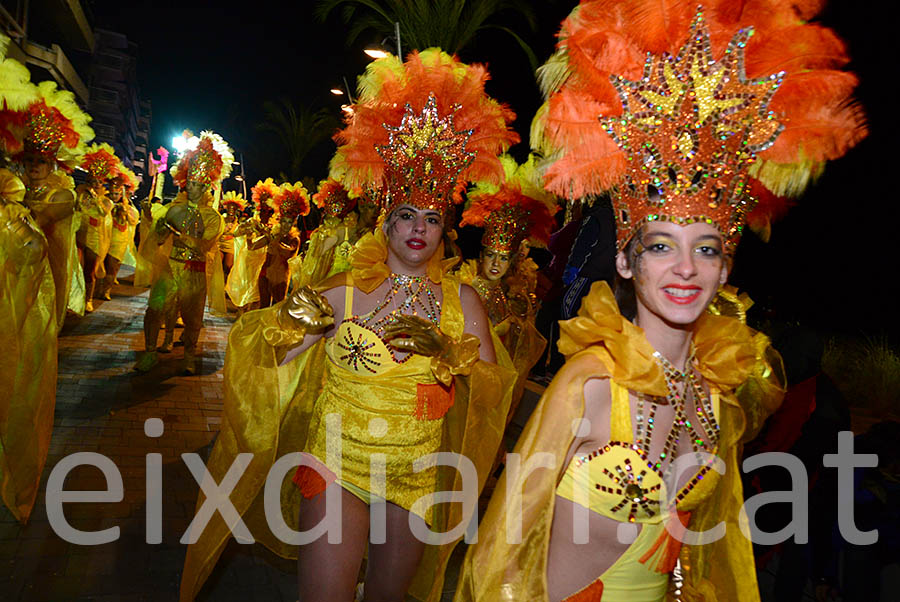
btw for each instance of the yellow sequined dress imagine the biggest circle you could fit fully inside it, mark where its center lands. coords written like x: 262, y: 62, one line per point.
x: 269, y: 410
x: 28, y: 344
x: 736, y: 362
x: 60, y: 234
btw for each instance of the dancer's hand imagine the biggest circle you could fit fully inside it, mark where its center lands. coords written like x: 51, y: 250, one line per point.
x: 417, y: 335
x: 308, y: 310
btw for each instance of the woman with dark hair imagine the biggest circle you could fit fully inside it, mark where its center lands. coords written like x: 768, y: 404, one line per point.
x: 634, y: 448
x: 396, y: 350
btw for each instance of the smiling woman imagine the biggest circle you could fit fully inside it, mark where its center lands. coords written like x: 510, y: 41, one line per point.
x: 396, y: 349
x: 639, y: 434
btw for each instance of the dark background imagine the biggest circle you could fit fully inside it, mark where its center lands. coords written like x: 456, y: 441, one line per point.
x: 830, y: 263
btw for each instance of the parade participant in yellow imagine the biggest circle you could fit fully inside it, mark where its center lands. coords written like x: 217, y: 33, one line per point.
x: 640, y: 433
x: 95, y: 206
x: 281, y: 242
x: 53, y: 132
x: 233, y: 205
x: 148, y: 263
x: 328, y: 250
x: 125, y: 218
x: 243, y: 280
x: 190, y: 231
x: 396, y: 347
x: 28, y: 339
x: 517, y: 213
x: 27, y: 319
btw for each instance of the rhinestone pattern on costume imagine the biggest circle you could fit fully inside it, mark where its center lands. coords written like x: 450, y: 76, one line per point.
x: 639, y: 483
x: 358, y: 352
x: 690, y: 129
x: 423, y: 158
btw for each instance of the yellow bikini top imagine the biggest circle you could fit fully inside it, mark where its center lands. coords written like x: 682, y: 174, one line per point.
x: 359, y: 349
x: 620, y: 481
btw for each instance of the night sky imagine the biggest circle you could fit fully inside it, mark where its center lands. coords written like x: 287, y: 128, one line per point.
x: 830, y: 263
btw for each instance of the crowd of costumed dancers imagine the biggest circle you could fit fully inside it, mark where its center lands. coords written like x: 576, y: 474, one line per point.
x: 368, y: 310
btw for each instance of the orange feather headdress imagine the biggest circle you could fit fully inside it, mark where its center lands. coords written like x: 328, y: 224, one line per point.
x: 101, y: 162
x: 516, y: 210
x: 685, y: 112
x: 232, y: 199
x: 291, y: 201
x: 262, y: 194
x: 422, y: 130
x: 333, y: 199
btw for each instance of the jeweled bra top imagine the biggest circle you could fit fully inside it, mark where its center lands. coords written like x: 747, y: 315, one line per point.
x: 621, y: 481
x: 358, y: 346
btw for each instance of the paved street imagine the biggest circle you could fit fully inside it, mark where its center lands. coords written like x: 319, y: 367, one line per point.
x: 101, y: 407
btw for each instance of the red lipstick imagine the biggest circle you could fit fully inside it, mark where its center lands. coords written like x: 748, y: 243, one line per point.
x: 690, y: 293
x: 415, y: 243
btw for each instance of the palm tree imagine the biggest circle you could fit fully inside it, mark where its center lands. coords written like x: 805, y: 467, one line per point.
x: 298, y: 128
x: 449, y: 24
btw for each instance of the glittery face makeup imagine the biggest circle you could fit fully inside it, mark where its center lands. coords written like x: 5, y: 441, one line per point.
x: 677, y: 271
x: 494, y: 264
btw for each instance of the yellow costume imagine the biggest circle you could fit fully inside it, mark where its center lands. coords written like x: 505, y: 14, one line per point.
x: 28, y: 340
x: 273, y: 410
x: 125, y: 218
x: 518, y: 333
x: 150, y: 262
x: 242, y: 286
x: 742, y: 374
x: 60, y: 233
x: 194, y: 277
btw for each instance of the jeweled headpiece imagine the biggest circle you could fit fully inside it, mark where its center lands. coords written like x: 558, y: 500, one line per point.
x: 53, y: 127
x: 291, y: 201
x: 129, y: 179
x: 517, y: 209
x: 208, y: 162
x: 333, y: 199
x: 421, y: 131
x: 16, y: 93
x: 680, y: 111
x: 233, y: 200
x: 262, y: 194
x: 100, y: 162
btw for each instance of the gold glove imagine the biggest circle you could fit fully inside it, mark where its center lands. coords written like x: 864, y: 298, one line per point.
x: 306, y: 310
x: 448, y: 357
x: 416, y: 335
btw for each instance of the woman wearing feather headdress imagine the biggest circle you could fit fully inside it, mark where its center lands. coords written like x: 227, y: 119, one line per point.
x: 514, y: 215
x: 396, y: 348
x: 51, y: 134
x: 125, y: 218
x: 281, y: 242
x: 27, y: 319
x: 687, y: 118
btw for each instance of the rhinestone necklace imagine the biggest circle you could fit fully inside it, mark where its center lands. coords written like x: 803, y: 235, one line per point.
x: 418, y: 300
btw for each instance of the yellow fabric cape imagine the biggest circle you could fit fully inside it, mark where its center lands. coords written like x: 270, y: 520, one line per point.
x: 267, y: 410
x: 27, y: 369
x: 60, y: 240
x: 150, y: 260
x: 243, y: 279
x: 600, y: 343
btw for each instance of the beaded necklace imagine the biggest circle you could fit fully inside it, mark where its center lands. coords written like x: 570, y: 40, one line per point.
x: 419, y: 300
x: 493, y: 297
x: 682, y: 424
x: 36, y: 191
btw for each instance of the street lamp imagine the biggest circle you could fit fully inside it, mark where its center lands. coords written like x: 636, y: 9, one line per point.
x: 379, y: 52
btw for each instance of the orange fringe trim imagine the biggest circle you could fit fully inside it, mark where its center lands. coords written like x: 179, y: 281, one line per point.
x: 309, y: 481
x: 433, y: 401
x: 669, y: 547
x: 591, y: 593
